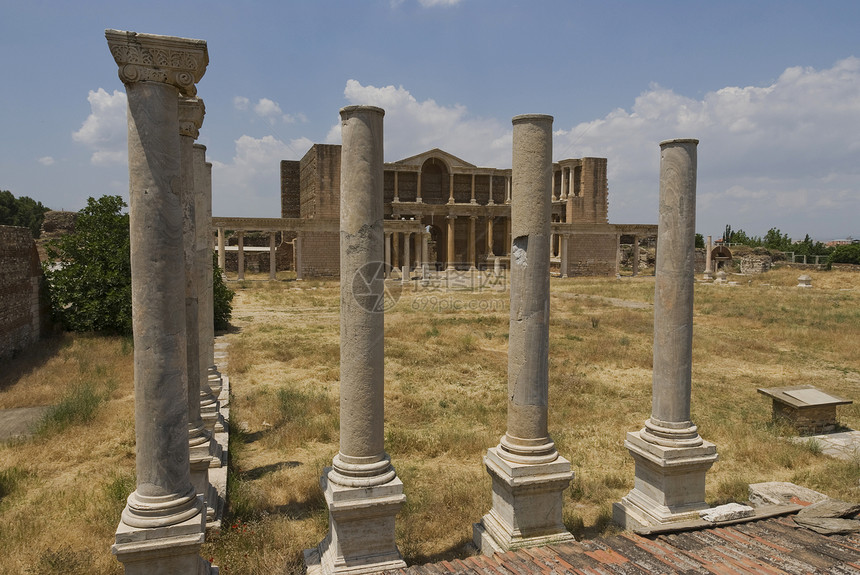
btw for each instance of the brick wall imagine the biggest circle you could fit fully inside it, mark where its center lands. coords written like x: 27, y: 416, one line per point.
x: 592, y: 254
x: 320, y: 254
x: 290, y: 187
x: 23, y: 310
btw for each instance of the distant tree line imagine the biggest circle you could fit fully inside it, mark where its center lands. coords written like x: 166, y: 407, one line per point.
x: 24, y: 212
x: 774, y: 239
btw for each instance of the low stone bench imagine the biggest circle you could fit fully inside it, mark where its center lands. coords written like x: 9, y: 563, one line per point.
x: 807, y: 409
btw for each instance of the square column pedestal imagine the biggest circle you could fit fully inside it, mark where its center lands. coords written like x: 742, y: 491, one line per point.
x: 669, y: 484
x: 360, y: 538
x: 527, y: 505
x: 163, y: 550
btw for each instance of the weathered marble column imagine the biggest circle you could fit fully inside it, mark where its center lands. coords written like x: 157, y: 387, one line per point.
x: 508, y: 190
x: 450, y: 254
x: 396, y: 189
x: 395, y: 251
x: 635, y: 255
x: 671, y: 458
x: 162, y: 525
x: 508, y: 236
x: 207, y: 308
x: 418, y: 199
x: 425, y: 253
x: 240, y: 254
x: 565, y: 239
x: 491, y: 202
x: 191, y: 112
x: 472, y: 241
x: 361, y: 488
x: 406, y: 268
x: 387, y: 254
x: 222, y: 256
x: 490, y: 236
x: 708, y: 275
x: 273, y: 262
x: 297, y: 258
x: 472, y: 192
x: 451, y: 188
x: 618, y: 255
x: 528, y: 474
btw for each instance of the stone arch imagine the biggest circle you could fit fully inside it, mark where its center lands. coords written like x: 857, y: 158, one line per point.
x: 721, y: 256
x: 435, y: 181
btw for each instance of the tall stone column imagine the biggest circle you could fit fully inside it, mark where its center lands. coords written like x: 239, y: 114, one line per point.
x: 240, y: 254
x: 491, y: 202
x: 508, y: 236
x: 406, y: 267
x: 708, y: 275
x: 528, y: 474
x: 395, y: 251
x: 162, y: 525
x: 297, y: 258
x: 425, y: 253
x: 361, y: 488
x: 565, y: 239
x: 396, y: 189
x: 387, y: 254
x: 472, y: 192
x: 418, y: 199
x: 472, y: 242
x: 451, y: 188
x: 618, y: 255
x: 273, y: 262
x: 490, y: 236
x: 635, y: 256
x: 671, y: 458
x: 191, y: 112
x: 222, y: 257
x: 451, y: 220
x: 508, y: 190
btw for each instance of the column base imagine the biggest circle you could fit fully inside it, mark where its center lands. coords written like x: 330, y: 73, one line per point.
x: 204, y: 488
x: 174, y: 549
x: 707, y: 276
x: 669, y: 486
x: 527, y: 505
x: 361, y: 529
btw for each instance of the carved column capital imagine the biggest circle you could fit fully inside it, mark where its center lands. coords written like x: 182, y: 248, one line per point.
x: 191, y: 113
x: 179, y: 62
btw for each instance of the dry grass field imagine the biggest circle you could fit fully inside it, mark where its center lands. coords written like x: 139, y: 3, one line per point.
x: 62, y: 491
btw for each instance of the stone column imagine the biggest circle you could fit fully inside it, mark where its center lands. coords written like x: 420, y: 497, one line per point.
x: 162, y: 525
x: 565, y: 238
x: 528, y: 474
x: 451, y: 188
x: 671, y: 458
x: 222, y: 256
x: 635, y: 255
x: 425, y: 253
x: 708, y: 275
x: 396, y: 190
x: 564, y: 182
x: 490, y: 237
x: 491, y: 202
x: 297, y: 258
x: 361, y: 488
x: 406, y: 267
x: 508, y: 236
x: 240, y: 258
x: 418, y: 190
x: 451, y: 220
x: 213, y: 379
x: 508, y: 190
x: 395, y: 251
x: 618, y: 255
x: 387, y: 254
x: 191, y: 111
x: 472, y: 220
x: 273, y: 263
x: 472, y: 194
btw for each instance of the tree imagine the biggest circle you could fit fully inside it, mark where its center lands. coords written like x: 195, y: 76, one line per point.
x: 89, y: 270
x: 776, y: 240
x: 847, y: 254
x: 24, y: 212
x: 700, y: 241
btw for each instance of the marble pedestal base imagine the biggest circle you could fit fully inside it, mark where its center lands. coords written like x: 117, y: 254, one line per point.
x: 171, y: 550
x: 205, y: 489
x: 527, y: 505
x: 669, y: 484
x: 361, y: 529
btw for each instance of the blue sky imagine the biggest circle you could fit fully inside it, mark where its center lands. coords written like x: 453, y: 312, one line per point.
x: 770, y: 88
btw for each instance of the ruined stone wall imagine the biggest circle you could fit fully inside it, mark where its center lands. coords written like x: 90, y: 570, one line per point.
x: 23, y: 310
x: 290, y: 189
x: 755, y: 264
x: 320, y: 182
x: 592, y: 254
x: 320, y: 254
x: 592, y: 203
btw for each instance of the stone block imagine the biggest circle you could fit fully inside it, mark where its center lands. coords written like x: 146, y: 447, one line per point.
x: 782, y: 493
x: 727, y: 512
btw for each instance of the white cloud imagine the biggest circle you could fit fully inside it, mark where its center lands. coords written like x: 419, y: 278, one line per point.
x: 241, y: 102
x: 46, y: 161
x: 413, y: 126
x: 268, y: 110
x: 775, y: 156
x: 434, y: 3
x: 105, y: 130
x: 249, y: 185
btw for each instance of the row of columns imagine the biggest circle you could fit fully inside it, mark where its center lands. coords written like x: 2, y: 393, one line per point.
x: 361, y: 488
x: 163, y: 523
x: 419, y: 200
x: 567, y: 184
x: 240, y: 254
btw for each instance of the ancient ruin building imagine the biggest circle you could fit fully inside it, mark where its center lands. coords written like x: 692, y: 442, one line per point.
x: 466, y: 209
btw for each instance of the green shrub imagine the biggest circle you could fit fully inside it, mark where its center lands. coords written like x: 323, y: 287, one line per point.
x: 848, y: 254
x: 222, y: 297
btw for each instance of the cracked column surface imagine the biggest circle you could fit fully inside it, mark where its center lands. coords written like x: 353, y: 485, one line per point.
x: 671, y: 458
x: 528, y: 474
x: 361, y: 488
x: 162, y: 525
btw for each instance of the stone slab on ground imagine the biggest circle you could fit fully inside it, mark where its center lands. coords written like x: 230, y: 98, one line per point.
x: 727, y: 512
x: 20, y: 422
x: 781, y: 493
x: 841, y: 445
